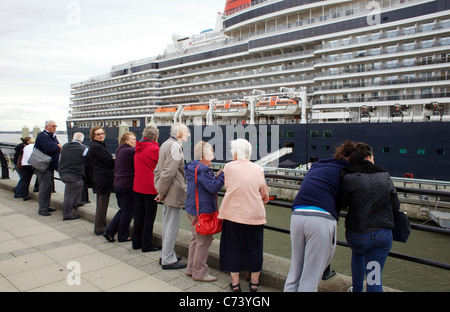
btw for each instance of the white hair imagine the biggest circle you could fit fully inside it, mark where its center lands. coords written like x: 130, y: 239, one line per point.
x: 176, y: 128
x: 78, y: 136
x: 241, y: 148
x: 48, y: 122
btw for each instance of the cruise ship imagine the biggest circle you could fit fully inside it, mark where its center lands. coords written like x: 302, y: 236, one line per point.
x: 299, y: 76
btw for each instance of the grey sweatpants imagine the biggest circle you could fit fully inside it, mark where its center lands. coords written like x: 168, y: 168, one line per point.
x: 313, y: 239
x: 170, y: 227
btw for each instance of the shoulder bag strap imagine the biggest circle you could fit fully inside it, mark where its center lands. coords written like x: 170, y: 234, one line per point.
x: 196, y: 191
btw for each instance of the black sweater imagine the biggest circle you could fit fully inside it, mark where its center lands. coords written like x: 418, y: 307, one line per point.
x: 368, y: 192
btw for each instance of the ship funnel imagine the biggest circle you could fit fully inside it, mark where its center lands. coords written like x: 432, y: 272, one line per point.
x: 234, y: 4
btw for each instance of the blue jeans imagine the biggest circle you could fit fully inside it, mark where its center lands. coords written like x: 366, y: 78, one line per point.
x: 369, y: 253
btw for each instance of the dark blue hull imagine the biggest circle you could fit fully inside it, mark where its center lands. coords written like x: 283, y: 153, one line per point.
x: 420, y: 149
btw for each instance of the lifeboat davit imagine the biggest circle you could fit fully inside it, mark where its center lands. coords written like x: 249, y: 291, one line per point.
x: 231, y: 108
x: 196, y: 110
x: 165, y: 112
x: 275, y: 105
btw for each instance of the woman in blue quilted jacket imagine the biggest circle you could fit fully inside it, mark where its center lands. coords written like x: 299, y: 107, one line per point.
x: 208, y: 184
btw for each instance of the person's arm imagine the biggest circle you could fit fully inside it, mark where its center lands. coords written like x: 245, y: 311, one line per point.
x: 169, y: 171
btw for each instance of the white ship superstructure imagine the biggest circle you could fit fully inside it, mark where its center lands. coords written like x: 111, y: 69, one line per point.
x: 346, y: 62
x: 390, y: 71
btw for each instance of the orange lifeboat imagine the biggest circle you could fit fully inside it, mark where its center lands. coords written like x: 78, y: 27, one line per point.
x: 165, y: 112
x: 275, y: 105
x: 196, y: 110
x: 231, y: 108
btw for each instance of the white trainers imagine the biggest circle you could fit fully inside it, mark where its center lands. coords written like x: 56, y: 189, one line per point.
x: 209, y: 278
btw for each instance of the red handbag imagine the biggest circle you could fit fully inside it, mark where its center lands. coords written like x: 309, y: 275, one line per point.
x: 206, y: 223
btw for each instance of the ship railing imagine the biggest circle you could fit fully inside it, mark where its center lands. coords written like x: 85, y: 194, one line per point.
x: 240, y: 63
x: 364, y: 84
x: 402, y: 48
x: 399, y: 97
x: 374, y: 37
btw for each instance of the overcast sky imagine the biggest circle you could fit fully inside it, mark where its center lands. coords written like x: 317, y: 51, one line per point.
x: 47, y: 45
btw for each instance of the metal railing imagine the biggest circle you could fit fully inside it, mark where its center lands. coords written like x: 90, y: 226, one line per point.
x: 299, y: 179
x: 419, y: 227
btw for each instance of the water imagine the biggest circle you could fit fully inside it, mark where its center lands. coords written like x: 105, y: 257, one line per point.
x: 15, y: 137
x: 397, y: 274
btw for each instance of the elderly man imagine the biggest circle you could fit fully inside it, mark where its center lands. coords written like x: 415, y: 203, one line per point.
x: 71, y: 171
x: 47, y: 143
x: 170, y: 184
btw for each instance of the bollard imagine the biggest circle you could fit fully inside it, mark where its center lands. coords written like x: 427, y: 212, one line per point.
x: 25, y: 131
x: 123, y: 128
x: 36, y: 131
x: 4, y: 163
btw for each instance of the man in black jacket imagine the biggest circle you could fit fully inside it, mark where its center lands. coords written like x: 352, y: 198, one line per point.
x: 71, y: 171
x: 47, y: 143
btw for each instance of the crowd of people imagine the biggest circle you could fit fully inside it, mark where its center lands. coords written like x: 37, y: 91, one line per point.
x: 143, y: 174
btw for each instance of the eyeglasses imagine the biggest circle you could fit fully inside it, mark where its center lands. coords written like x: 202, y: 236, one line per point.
x: 100, y: 133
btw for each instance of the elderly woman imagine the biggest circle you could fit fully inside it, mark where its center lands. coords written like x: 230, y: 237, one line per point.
x: 244, y: 216
x: 101, y: 170
x: 207, y: 186
x: 123, y: 187
x: 145, y: 206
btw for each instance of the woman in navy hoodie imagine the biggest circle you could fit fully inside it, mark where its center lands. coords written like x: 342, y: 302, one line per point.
x: 315, y: 212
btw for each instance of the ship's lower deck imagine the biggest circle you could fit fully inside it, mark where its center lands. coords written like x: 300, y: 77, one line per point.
x: 417, y: 148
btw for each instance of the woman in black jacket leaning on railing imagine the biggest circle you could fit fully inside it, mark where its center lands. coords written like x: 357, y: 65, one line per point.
x: 371, y: 198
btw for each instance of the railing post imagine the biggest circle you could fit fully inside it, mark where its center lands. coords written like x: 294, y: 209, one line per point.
x: 5, y: 169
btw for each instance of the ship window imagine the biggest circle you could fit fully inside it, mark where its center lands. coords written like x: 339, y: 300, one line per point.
x: 385, y: 149
x: 327, y: 134
x: 313, y: 147
x: 326, y: 148
x: 290, y: 134
x: 402, y: 150
x: 314, y: 134
x: 420, y: 151
x: 440, y: 151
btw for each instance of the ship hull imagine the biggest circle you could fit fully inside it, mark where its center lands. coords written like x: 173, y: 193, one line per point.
x: 412, y: 149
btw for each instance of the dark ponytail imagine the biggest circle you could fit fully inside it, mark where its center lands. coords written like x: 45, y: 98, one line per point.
x: 361, y: 152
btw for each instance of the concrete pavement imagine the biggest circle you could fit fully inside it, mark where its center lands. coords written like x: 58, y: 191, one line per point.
x: 39, y: 253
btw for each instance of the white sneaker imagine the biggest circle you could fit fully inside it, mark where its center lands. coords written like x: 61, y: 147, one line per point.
x: 209, y: 278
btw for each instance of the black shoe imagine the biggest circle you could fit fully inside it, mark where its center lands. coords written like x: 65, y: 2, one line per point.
x: 153, y: 248
x: 174, y: 266
x: 51, y: 209
x: 45, y: 213
x: 26, y: 198
x: 178, y: 259
x: 236, y: 288
x: 108, y: 237
x: 72, y: 217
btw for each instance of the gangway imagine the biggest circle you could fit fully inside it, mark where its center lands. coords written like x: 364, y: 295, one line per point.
x: 273, y: 156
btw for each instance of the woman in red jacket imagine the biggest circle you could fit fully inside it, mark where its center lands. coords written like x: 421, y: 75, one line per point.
x: 145, y: 206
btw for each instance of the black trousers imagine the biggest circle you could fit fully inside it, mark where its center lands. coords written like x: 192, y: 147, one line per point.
x: 145, y: 208
x: 120, y: 224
